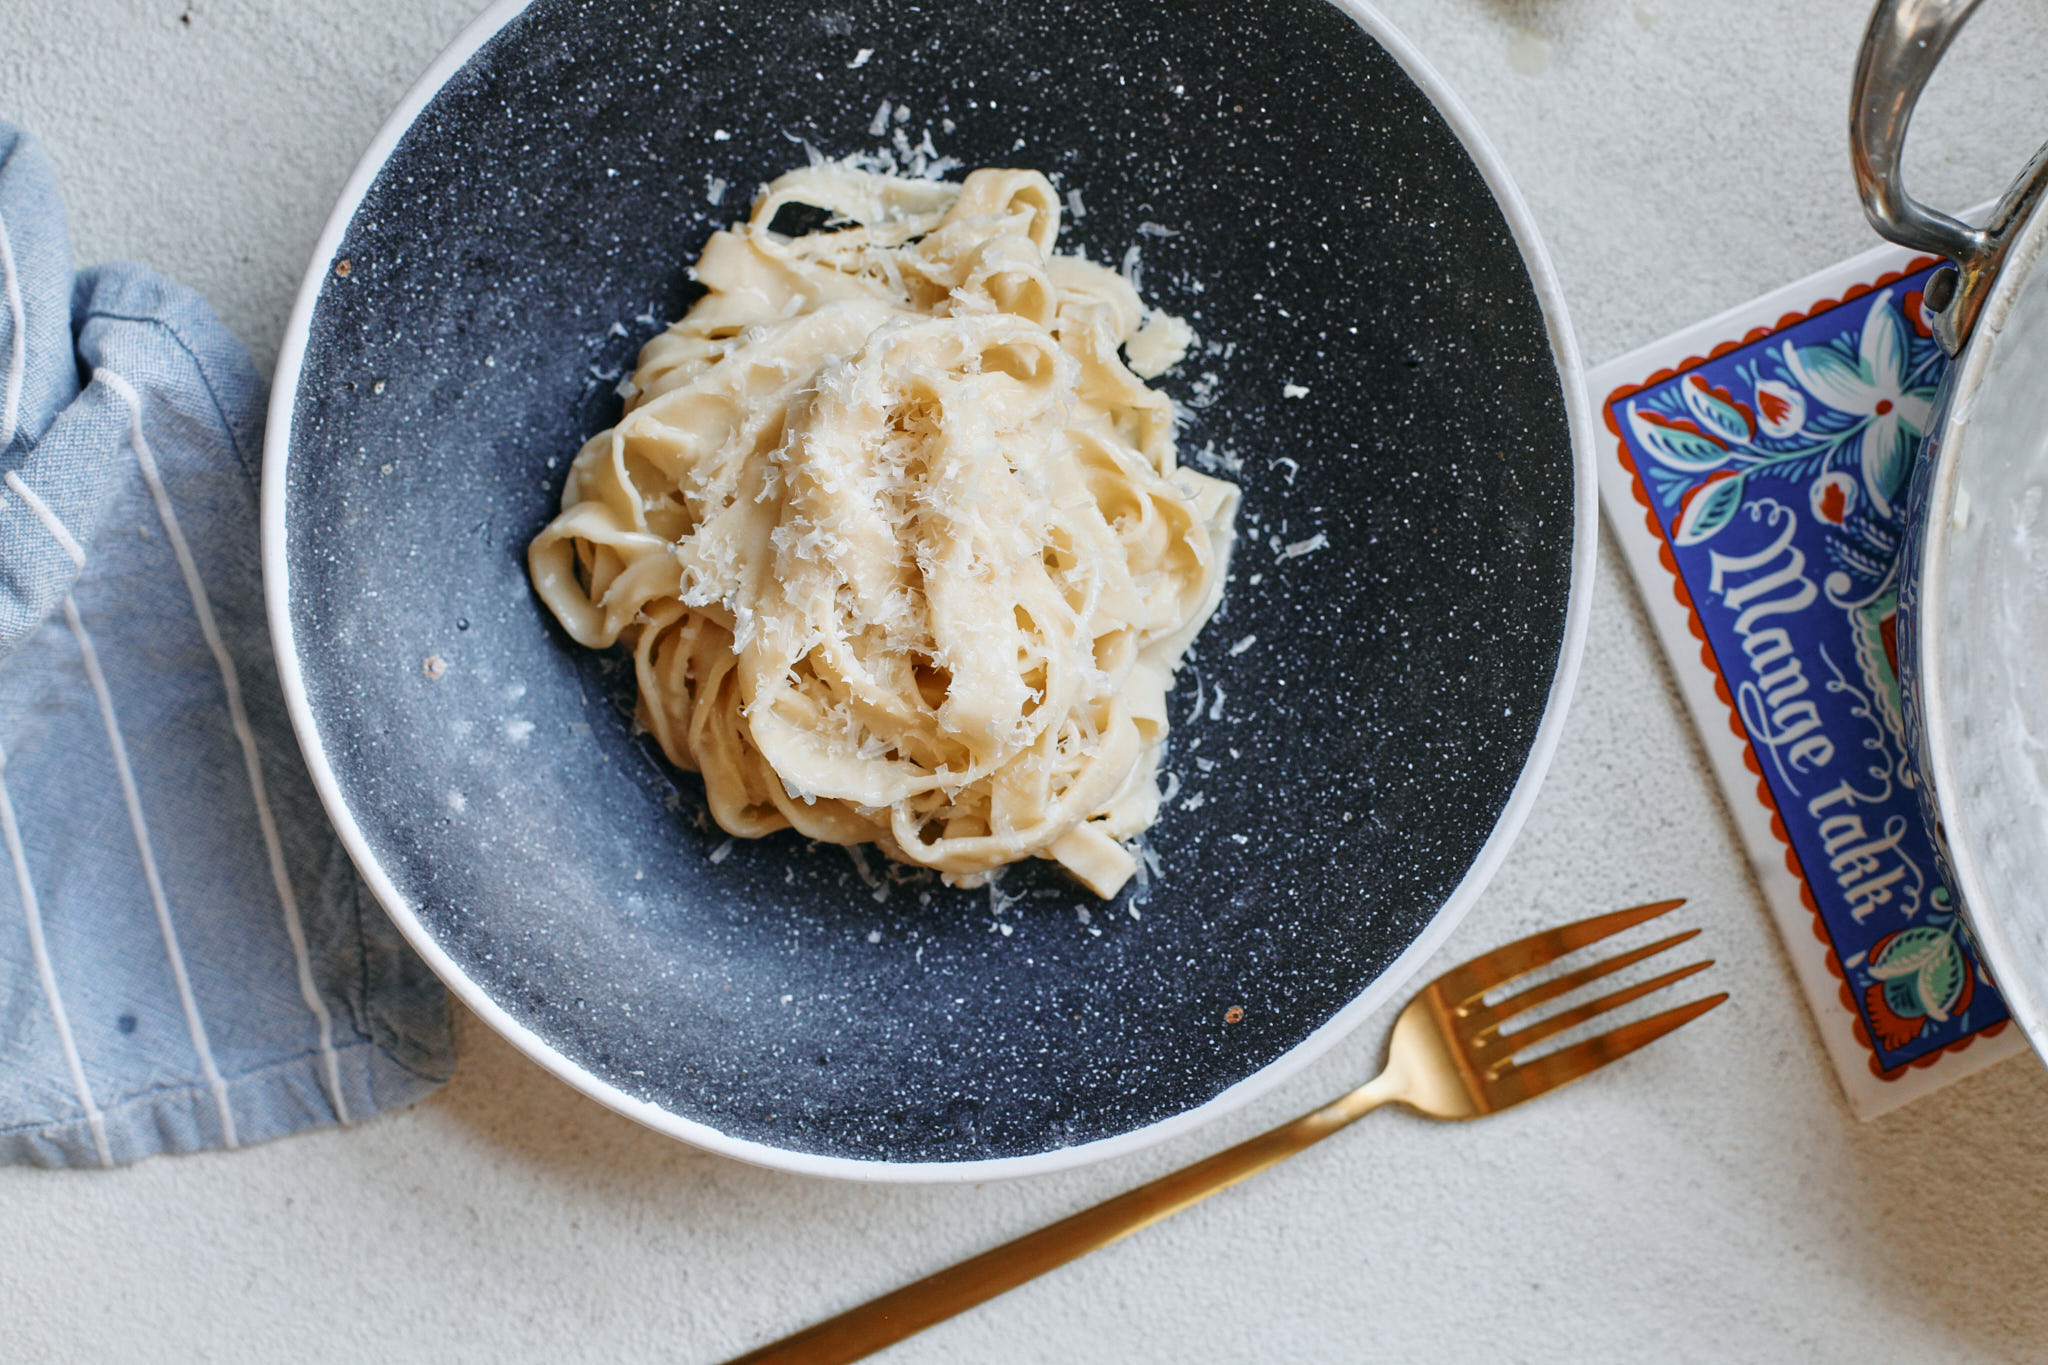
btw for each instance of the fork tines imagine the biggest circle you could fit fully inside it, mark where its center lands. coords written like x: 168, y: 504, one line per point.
x: 1478, y: 1025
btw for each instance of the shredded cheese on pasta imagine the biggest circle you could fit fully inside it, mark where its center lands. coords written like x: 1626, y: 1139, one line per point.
x: 896, y: 537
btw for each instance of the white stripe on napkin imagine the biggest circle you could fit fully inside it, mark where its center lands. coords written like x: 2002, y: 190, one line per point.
x: 193, y: 1023
x: 58, y: 531
x: 230, y: 682
x: 17, y: 349
x: 32, y: 912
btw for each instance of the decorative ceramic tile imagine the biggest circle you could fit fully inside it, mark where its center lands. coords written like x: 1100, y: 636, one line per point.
x: 1754, y: 469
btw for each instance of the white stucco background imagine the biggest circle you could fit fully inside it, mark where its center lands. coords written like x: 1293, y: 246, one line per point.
x: 1712, y: 1199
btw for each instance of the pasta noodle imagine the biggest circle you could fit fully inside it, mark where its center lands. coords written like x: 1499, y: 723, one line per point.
x: 895, y: 536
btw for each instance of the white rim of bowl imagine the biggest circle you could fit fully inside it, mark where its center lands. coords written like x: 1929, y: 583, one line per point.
x: 2022, y: 997
x: 277, y: 592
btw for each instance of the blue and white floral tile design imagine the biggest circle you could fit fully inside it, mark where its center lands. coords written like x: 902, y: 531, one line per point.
x: 1775, y: 474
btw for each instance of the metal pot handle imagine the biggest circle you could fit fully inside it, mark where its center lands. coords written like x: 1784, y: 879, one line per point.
x: 1901, y: 47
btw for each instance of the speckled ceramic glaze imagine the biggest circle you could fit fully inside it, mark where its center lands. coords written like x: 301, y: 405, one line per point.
x: 1356, y: 733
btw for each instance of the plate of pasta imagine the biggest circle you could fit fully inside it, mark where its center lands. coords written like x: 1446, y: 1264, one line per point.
x: 927, y: 594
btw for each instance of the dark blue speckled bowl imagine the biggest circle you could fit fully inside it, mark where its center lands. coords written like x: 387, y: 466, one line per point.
x: 1359, y: 735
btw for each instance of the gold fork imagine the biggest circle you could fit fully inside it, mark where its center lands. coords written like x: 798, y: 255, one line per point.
x: 1448, y: 1059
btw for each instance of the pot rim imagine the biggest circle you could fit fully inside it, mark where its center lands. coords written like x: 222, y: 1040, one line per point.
x: 2026, y: 999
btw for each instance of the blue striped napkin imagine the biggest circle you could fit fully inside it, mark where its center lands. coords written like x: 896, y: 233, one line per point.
x: 187, y: 959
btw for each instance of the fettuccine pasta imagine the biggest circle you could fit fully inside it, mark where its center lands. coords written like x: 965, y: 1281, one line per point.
x: 896, y: 537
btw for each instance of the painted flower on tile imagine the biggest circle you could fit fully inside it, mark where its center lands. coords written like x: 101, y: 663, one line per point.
x: 1915, y: 308
x: 1833, y: 412
x: 1871, y: 384
x: 1781, y: 407
x: 1831, y: 496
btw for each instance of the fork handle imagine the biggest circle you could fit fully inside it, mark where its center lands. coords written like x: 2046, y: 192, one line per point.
x: 904, y: 1312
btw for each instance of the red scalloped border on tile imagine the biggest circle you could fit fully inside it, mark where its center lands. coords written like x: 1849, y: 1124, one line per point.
x: 1699, y: 633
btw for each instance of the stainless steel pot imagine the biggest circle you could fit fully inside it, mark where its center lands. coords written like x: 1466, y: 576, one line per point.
x: 1973, y: 574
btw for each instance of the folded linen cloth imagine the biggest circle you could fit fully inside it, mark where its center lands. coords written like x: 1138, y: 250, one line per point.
x: 187, y: 959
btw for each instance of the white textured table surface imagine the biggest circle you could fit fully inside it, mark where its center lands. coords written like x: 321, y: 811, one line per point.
x: 1712, y: 1199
